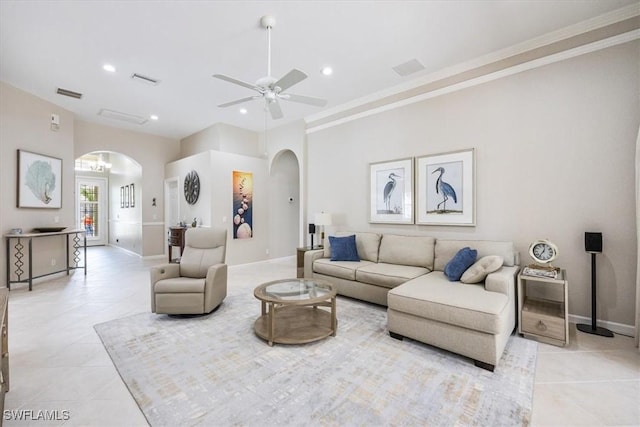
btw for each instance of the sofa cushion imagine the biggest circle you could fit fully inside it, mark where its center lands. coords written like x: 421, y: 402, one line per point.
x: 433, y: 296
x: 344, y: 248
x: 341, y: 269
x: 479, y: 271
x: 388, y: 275
x: 407, y: 250
x: 446, y: 249
x: 460, y: 262
x: 367, y: 244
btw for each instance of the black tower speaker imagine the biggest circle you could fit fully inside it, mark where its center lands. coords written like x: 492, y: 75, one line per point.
x: 593, y: 245
x: 312, y: 231
x: 593, y: 242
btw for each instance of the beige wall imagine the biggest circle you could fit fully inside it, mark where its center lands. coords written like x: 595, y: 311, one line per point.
x: 214, y: 207
x: 151, y: 153
x: 25, y: 125
x: 554, y: 158
x: 291, y: 139
x: 222, y: 137
x: 125, y: 223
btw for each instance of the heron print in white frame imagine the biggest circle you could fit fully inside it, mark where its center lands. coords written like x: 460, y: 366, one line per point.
x: 446, y: 193
x: 391, y: 192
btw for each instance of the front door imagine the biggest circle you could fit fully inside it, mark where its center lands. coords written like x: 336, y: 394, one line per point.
x: 91, y: 209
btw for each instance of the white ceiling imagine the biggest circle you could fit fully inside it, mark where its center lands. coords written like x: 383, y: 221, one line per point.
x: 49, y: 44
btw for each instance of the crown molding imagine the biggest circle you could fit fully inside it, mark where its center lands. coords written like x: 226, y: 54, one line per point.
x: 616, y: 27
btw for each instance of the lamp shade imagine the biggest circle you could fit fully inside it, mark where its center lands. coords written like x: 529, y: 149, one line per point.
x: 323, y: 218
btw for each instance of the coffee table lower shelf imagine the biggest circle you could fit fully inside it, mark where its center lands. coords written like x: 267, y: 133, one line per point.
x: 295, y: 325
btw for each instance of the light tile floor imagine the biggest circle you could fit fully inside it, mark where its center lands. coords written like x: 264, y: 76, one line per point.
x: 59, y: 364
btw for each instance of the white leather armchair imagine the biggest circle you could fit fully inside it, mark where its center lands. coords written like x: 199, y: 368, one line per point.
x: 198, y: 284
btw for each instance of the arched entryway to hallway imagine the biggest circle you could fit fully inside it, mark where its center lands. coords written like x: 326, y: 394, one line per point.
x: 284, y: 193
x: 108, y: 189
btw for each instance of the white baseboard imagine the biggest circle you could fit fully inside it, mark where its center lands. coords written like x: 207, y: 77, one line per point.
x: 160, y: 256
x: 124, y: 250
x: 618, y: 328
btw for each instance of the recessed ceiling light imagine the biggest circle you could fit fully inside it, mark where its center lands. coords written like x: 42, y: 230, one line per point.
x: 326, y: 71
x: 243, y: 111
x: 108, y: 67
x: 153, y: 117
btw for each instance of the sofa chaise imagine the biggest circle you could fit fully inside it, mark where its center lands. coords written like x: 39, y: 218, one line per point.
x: 406, y: 274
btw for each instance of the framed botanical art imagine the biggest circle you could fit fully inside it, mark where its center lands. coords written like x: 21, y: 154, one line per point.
x: 126, y: 196
x: 446, y: 188
x: 391, y: 192
x: 39, y: 181
x: 122, y: 196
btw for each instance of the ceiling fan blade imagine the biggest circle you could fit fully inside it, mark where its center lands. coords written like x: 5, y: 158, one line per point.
x: 238, y: 101
x: 274, y: 109
x: 235, y: 81
x: 291, y: 78
x: 304, y: 99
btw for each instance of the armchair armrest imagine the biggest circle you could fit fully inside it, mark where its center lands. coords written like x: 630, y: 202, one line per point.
x: 309, y: 258
x: 215, y: 286
x: 160, y: 272
x: 164, y: 271
x: 503, y: 280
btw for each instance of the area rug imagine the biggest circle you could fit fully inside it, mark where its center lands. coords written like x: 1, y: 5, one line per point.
x: 214, y: 371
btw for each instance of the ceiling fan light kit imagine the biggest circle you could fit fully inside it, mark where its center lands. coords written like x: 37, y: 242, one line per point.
x: 269, y: 88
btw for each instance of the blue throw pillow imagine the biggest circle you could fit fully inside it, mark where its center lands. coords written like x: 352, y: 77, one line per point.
x: 343, y: 248
x: 459, y: 263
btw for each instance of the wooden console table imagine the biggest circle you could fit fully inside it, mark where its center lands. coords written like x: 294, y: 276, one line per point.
x: 79, y: 242
x: 176, y: 238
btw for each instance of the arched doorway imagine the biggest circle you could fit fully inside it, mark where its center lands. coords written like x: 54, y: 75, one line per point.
x: 284, y: 218
x: 108, y: 188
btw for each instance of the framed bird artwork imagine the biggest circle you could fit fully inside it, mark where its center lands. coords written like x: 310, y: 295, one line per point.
x: 391, y: 197
x: 446, y: 188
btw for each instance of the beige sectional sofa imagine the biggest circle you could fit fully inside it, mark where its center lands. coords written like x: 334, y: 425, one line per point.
x: 405, y: 273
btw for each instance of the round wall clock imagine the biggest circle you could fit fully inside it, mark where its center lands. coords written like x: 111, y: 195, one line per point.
x: 543, y: 251
x: 191, y: 187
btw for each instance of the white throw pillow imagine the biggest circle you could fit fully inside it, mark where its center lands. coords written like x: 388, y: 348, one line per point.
x: 479, y: 271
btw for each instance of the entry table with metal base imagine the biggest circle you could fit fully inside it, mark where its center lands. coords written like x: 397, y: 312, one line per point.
x: 74, y: 239
x: 292, y: 313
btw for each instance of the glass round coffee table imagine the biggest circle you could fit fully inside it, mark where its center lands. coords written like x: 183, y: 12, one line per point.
x: 291, y: 312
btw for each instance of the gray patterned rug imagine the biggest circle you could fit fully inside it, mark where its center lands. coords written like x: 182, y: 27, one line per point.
x: 214, y: 371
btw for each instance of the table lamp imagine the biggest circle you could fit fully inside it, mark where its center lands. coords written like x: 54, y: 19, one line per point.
x: 322, y: 219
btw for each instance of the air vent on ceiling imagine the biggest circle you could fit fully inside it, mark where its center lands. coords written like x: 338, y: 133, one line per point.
x: 117, y: 115
x: 70, y: 93
x: 408, y: 67
x: 144, y: 79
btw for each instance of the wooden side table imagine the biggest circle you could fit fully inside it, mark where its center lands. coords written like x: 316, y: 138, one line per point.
x: 543, y: 308
x: 176, y: 238
x: 300, y: 259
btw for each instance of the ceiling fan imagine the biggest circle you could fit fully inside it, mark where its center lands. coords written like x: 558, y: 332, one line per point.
x: 269, y: 88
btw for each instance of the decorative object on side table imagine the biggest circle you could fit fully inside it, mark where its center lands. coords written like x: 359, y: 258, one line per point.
x: 593, y: 245
x: 542, y: 251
